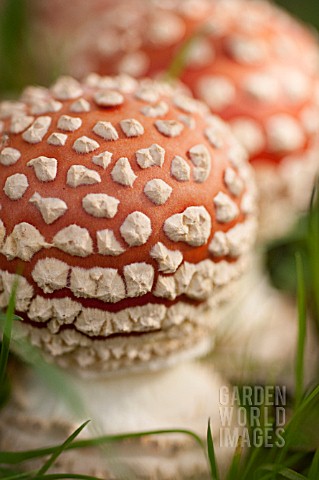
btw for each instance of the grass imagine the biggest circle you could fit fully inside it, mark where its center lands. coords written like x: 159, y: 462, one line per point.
x: 6, y: 337
x: 59, y: 450
x: 5, y: 347
x: 306, y: 11
x: 15, y: 58
x: 19, y: 60
x: 312, y: 245
x: 302, y: 329
x: 14, y: 458
x: 211, y: 454
x: 259, y: 464
x: 178, y: 64
x: 280, y: 257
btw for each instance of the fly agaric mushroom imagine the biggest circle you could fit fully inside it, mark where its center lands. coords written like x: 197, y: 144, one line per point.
x: 130, y: 210
x: 257, y: 70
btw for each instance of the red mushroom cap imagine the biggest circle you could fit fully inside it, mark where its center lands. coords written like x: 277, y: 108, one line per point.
x: 128, y: 206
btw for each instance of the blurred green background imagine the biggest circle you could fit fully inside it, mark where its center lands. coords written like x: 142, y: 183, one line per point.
x: 306, y: 10
x: 17, y: 63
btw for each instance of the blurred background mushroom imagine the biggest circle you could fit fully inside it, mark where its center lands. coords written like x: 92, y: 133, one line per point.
x: 258, y: 71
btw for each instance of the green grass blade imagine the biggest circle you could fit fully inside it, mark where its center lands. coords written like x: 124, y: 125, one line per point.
x: 291, y: 474
x: 5, y: 471
x: 178, y: 64
x: 60, y: 449
x: 13, y: 34
x: 296, y: 421
x: 7, y: 332
x: 313, y: 397
x: 20, y: 476
x: 211, y: 454
x: 233, y: 472
x: 313, y: 247
x: 15, y: 476
x: 128, y: 436
x: 252, y: 461
x: 313, y: 473
x: 302, y: 327
x: 5, y: 392
x: 56, y: 379
x: 52, y: 476
x: 13, y: 458
x: 283, y: 472
x: 52, y: 376
x: 56, y: 476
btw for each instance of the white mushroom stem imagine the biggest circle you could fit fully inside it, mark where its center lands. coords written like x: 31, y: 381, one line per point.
x: 121, y: 404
